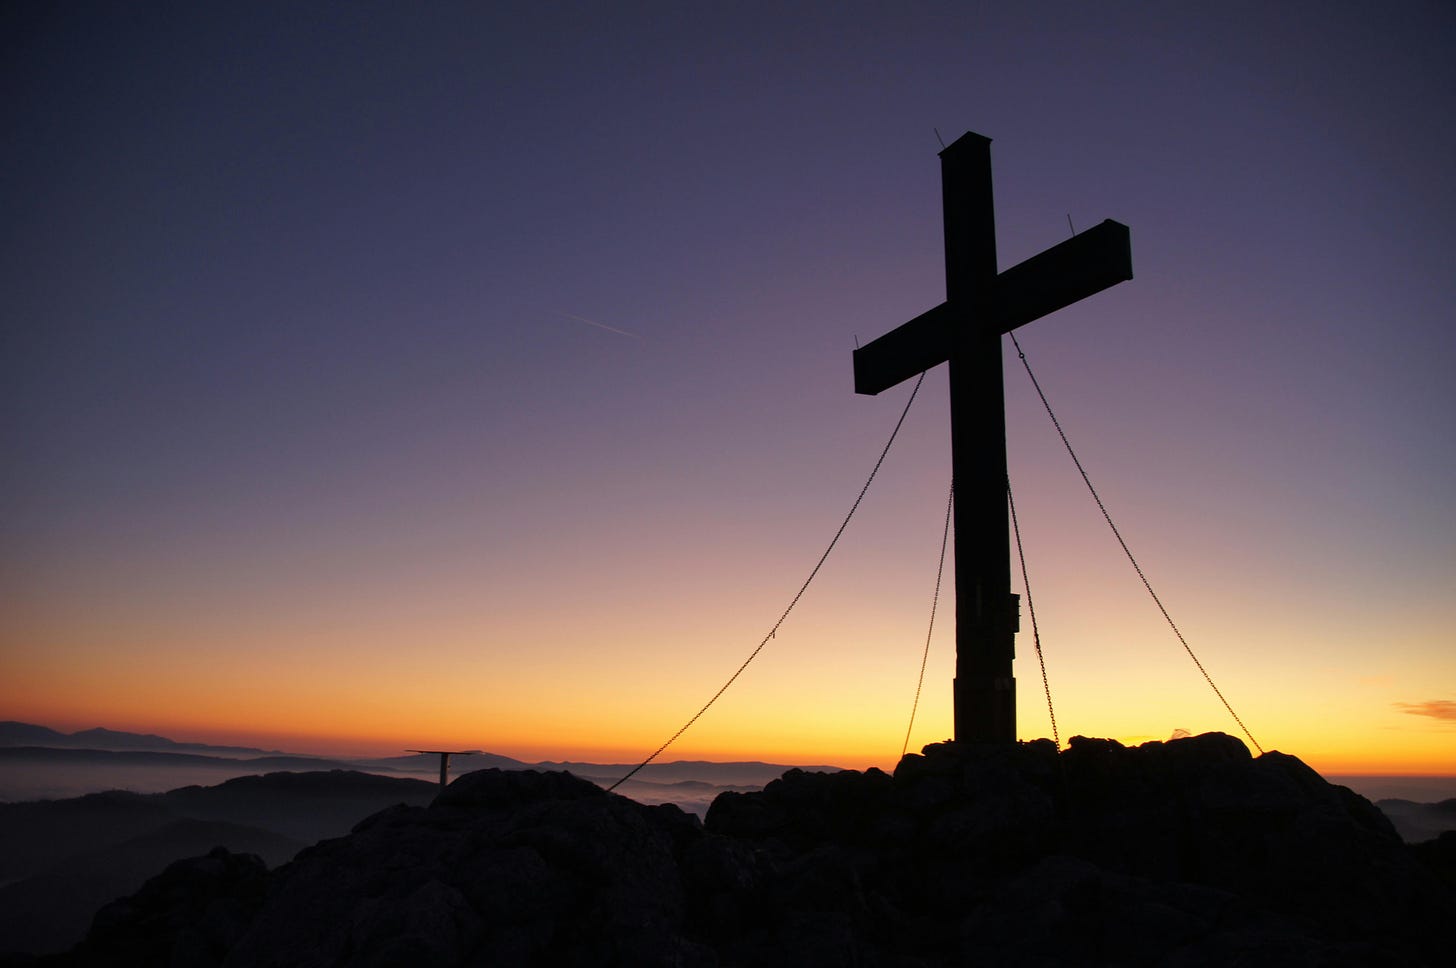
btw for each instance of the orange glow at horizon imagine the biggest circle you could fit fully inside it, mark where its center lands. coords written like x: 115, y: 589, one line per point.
x: 846, y: 723
x: 599, y: 683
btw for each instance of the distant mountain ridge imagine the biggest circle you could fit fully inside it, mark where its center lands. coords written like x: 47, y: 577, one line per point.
x: 281, y: 761
x: 1419, y: 822
x: 27, y: 741
x: 28, y: 734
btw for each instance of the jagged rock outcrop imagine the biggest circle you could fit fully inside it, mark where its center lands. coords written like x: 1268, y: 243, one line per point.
x: 1188, y: 852
x: 1182, y: 854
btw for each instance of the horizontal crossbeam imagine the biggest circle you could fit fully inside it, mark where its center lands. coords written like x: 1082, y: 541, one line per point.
x: 1083, y: 265
x: 911, y: 348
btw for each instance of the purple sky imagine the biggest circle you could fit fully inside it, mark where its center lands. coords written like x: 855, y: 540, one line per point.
x: 516, y: 338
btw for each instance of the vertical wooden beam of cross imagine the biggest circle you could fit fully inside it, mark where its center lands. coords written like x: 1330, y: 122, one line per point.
x: 965, y: 331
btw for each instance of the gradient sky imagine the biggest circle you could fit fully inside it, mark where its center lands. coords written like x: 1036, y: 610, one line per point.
x: 379, y: 375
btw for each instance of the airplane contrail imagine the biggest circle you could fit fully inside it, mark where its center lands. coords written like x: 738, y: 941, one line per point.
x: 593, y: 322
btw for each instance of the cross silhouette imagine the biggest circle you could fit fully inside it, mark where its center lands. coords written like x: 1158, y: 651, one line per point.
x: 966, y: 330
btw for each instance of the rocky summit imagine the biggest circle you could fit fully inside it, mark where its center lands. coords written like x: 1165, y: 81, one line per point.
x: 1184, y: 853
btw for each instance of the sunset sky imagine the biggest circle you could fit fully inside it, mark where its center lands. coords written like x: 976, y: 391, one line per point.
x: 392, y: 375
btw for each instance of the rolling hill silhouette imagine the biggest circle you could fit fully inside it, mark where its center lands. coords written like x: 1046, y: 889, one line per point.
x: 61, y: 860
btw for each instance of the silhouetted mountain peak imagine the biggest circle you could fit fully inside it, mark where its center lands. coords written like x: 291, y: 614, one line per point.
x: 100, y: 738
x: 27, y: 734
x: 1189, y: 851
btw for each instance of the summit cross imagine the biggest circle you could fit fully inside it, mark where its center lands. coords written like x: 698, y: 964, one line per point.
x: 965, y: 330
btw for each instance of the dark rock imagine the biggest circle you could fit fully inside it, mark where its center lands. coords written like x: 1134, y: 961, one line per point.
x: 803, y: 809
x: 1186, y: 853
x: 188, y: 916
x: 50, y: 911
x: 1439, y: 856
x: 507, y: 788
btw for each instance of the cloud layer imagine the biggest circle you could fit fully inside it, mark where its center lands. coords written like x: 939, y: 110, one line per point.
x: 1435, y: 708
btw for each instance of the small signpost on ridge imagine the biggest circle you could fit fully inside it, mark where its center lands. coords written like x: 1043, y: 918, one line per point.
x: 445, y: 761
